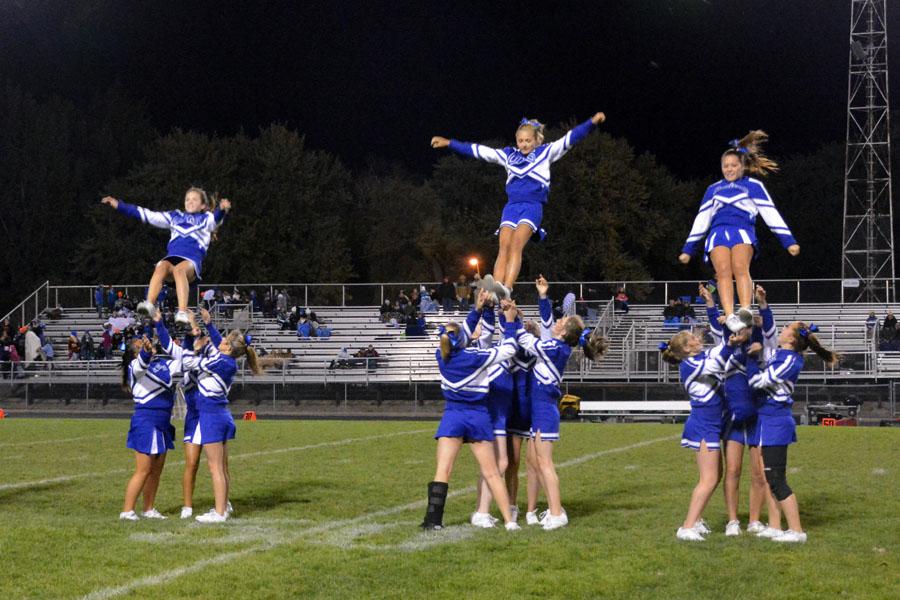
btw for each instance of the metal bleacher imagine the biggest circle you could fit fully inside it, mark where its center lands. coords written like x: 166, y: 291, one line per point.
x: 633, y: 354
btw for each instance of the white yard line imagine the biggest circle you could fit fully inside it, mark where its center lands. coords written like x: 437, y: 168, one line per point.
x: 65, y: 478
x: 166, y: 576
x: 62, y: 441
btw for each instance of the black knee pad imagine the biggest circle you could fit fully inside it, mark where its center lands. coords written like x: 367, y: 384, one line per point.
x: 778, y: 483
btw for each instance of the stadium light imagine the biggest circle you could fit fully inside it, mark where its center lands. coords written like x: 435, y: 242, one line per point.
x: 474, y: 262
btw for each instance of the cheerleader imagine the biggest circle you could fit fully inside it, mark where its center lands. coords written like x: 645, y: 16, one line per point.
x: 527, y: 188
x: 216, y: 367
x: 777, y: 429
x: 519, y: 431
x: 727, y: 219
x: 465, y: 374
x: 551, y: 356
x: 740, y: 426
x: 191, y: 418
x: 191, y: 231
x: 701, y: 374
x: 150, y: 378
x: 500, y: 398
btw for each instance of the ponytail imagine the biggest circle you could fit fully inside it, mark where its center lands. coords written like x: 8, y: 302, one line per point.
x: 673, y: 350
x: 596, y: 346
x: 810, y: 341
x: 749, y: 150
x: 240, y: 346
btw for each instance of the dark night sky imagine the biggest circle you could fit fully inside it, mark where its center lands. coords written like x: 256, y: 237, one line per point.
x: 676, y: 77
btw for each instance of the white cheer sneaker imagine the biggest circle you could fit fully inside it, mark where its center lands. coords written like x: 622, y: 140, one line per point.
x: 689, y: 535
x: 733, y: 528
x: 153, y: 514
x: 789, y: 536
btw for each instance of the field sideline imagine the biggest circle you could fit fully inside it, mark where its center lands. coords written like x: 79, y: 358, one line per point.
x: 329, y: 509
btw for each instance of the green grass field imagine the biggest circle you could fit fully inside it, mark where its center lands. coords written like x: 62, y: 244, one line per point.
x: 329, y: 509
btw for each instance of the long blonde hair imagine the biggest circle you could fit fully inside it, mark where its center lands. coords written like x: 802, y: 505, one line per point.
x: 749, y: 150
x: 674, y: 351
x: 240, y: 347
x: 810, y: 341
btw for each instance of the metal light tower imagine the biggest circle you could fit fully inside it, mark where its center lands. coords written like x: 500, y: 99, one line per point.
x: 868, y: 248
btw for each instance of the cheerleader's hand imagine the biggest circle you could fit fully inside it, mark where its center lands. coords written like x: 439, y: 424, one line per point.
x: 794, y: 249
x: 439, y: 142
x: 200, y: 343
x: 754, y: 349
x: 542, y: 286
x: 157, y: 316
x: 739, y: 338
x: 510, y: 312
x: 706, y: 295
x: 684, y: 258
x: 110, y: 201
x: 760, y: 296
x: 204, y: 314
x: 598, y: 118
x: 225, y: 204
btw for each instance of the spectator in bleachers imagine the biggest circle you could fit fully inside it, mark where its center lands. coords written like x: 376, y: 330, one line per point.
x: 110, y: 298
x: 343, y: 359
x: 86, y: 351
x: 304, y: 327
x: 428, y: 303
x: 255, y: 304
x: 32, y: 345
x: 463, y: 293
x: 871, y: 325
x: 671, y: 316
x: 620, y: 301
x: 118, y: 339
x: 367, y: 352
x: 415, y: 325
x: 386, y: 310
x: 446, y: 294
x: 209, y: 296
x: 47, y: 349
x: 73, y: 346
x: 99, y: 300
x: 104, y: 350
x: 268, y: 305
x: 281, y: 302
x: 889, y: 327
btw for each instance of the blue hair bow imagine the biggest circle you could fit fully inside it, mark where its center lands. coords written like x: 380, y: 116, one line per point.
x: 584, y: 337
x: 247, y: 339
x: 736, y: 145
x: 663, y: 346
x: 533, y: 122
x: 804, y: 332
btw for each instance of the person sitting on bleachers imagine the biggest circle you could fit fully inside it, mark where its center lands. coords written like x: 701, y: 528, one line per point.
x: 871, y: 325
x: 47, y: 349
x: 87, y: 346
x: 889, y: 327
x: 415, y: 325
x: 342, y: 361
x: 427, y: 304
x: 620, y: 301
x: 671, y: 314
x: 105, y: 348
x: 32, y: 345
x: 304, y: 327
x: 73, y: 345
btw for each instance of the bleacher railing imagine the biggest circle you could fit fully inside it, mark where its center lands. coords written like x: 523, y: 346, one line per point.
x: 32, y: 306
x: 592, y: 292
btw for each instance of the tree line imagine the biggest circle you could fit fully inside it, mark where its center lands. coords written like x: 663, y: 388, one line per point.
x: 301, y: 215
